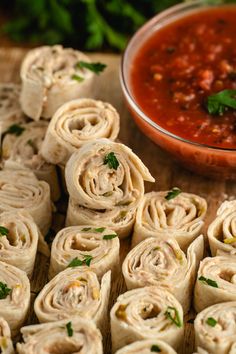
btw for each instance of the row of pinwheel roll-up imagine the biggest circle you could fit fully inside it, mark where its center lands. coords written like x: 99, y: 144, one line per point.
x: 105, y: 181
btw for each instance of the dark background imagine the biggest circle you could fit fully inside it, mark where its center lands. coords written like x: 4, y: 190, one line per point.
x: 85, y: 24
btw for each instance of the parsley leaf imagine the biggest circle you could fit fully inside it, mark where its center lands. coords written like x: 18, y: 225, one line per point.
x: 211, y: 321
x: 219, y: 102
x: 4, y: 290
x: 3, y: 231
x: 155, y: 348
x: 69, y: 329
x: 175, y: 319
x: 208, y: 281
x: 15, y: 129
x: 173, y: 193
x: 111, y: 160
x: 109, y: 237
x: 97, y: 68
x: 76, y: 262
x: 77, y: 78
x: 100, y: 229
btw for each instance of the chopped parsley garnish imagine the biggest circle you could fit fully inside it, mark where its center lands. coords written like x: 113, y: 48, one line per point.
x: 97, y: 68
x: 4, y: 290
x: 100, y: 229
x: 219, y: 102
x: 208, y: 281
x: 173, y: 193
x: 155, y: 348
x: 15, y: 129
x: 3, y: 231
x: 211, y: 321
x: 77, y: 78
x: 69, y: 329
x: 76, y: 262
x: 111, y: 160
x: 109, y: 237
x: 173, y: 315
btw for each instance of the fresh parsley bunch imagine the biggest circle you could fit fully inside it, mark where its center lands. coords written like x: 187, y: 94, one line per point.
x: 84, y: 24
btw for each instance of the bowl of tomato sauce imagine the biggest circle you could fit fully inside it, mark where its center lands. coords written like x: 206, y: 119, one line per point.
x: 178, y: 76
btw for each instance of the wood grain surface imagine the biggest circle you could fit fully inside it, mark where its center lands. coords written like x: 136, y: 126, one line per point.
x: 167, y: 173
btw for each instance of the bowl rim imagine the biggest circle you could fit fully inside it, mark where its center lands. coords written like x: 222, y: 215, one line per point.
x: 127, y: 92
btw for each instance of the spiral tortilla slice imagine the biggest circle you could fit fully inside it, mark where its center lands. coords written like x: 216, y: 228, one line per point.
x: 216, y: 282
x: 222, y: 231
x: 73, y: 245
x: 107, y: 179
x: 74, y: 292
x: 146, y: 313
x: 119, y: 219
x: 6, y: 345
x: 19, y: 237
x: 24, y: 150
x: 21, y: 190
x: 181, y: 217
x: 14, y: 296
x: 75, y: 336
x: 76, y: 123
x: 147, y: 347
x: 161, y: 262
x: 10, y: 110
x: 215, y: 328
x: 50, y: 77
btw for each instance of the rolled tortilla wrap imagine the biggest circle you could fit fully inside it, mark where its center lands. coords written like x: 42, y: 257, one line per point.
x: 14, y: 296
x: 19, y: 240
x: 24, y: 149
x: 76, y: 243
x: 50, y: 77
x: 146, y: 313
x: 76, y: 336
x: 181, y: 217
x: 222, y: 231
x: 215, y: 328
x: 161, y: 262
x: 216, y: 282
x: 76, y: 123
x: 74, y: 293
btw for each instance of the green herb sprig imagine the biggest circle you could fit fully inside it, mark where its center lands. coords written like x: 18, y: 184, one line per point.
x: 4, y: 290
x: 77, y: 78
x: 109, y: 237
x: 211, y: 321
x: 111, y: 160
x: 173, y: 193
x: 155, y: 349
x: 97, y: 68
x: 69, y: 329
x: 174, y: 318
x: 208, y: 281
x: 218, y: 103
x: 76, y: 262
x: 3, y: 231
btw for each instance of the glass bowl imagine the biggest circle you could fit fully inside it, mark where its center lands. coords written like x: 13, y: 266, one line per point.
x: 206, y: 160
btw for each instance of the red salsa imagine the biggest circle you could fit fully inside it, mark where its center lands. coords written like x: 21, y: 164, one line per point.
x: 180, y: 66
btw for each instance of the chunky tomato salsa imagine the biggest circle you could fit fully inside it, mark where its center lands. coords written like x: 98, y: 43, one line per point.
x: 180, y: 66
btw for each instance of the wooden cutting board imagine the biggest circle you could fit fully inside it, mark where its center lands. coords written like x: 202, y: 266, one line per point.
x: 167, y: 173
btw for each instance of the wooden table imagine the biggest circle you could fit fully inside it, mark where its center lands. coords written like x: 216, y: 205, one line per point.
x: 167, y: 173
